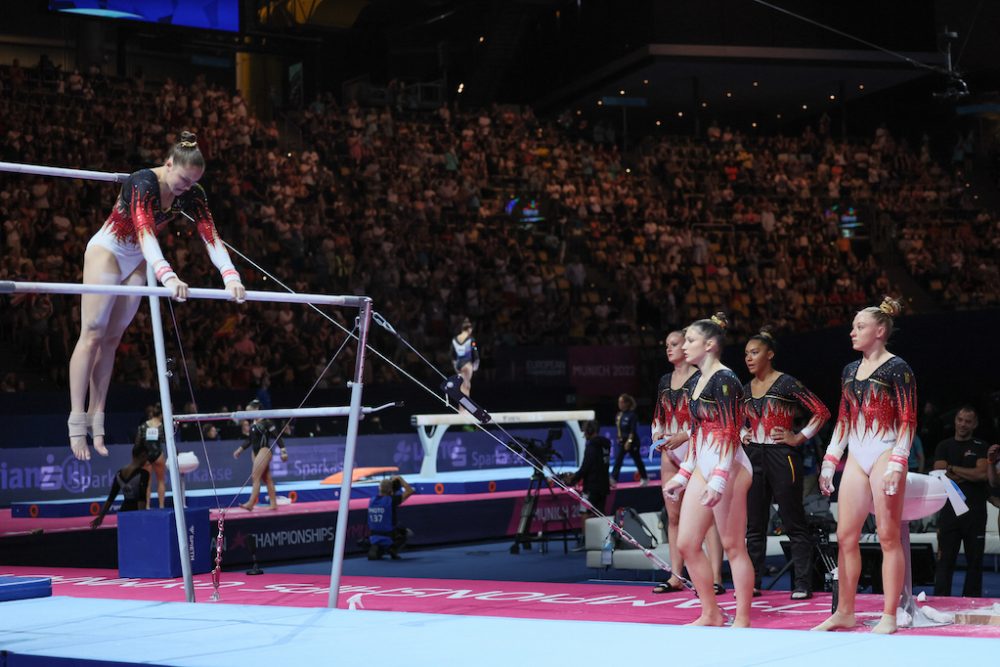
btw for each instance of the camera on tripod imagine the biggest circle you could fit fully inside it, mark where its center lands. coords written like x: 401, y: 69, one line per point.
x: 539, y: 454
x: 820, y: 526
x: 537, y: 451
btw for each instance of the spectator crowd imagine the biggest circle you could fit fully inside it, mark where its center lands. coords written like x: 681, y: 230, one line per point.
x: 540, y: 231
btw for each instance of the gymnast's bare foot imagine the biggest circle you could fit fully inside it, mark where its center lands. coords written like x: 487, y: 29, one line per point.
x: 886, y: 625
x: 273, y: 507
x: 839, y: 621
x: 712, y: 620
x: 741, y: 622
x: 77, y: 425
x: 247, y: 506
x: 95, y: 422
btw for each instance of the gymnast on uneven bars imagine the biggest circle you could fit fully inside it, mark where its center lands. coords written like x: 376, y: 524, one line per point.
x: 117, y: 255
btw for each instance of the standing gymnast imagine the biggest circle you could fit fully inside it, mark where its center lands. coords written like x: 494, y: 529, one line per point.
x: 262, y: 436
x: 771, y: 401
x: 117, y: 255
x: 627, y: 425
x: 152, y: 433
x: 671, y: 422
x: 465, y: 355
x: 716, y: 490
x: 876, y: 424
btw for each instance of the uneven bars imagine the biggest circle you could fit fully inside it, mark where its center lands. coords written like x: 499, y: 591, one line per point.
x: 13, y: 287
x: 277, y: 413
x: 85, y: 174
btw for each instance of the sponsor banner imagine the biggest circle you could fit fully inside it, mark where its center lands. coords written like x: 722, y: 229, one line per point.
x: 38, y: 474
x: 475, y: 450
x: 603, y: 370
x: 539, y: 365
x: 52, y: 473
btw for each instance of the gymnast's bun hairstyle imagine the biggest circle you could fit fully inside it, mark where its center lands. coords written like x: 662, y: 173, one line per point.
x: 884, y: 313
x: 714, y: 327
x: 766, y: 336
x: 186, y: 153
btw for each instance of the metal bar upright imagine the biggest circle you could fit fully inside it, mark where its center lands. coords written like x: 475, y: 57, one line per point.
x: 344, y: 509
x: 168, y: 419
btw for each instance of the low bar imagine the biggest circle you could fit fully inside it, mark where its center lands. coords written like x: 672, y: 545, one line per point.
x: 276, y: 414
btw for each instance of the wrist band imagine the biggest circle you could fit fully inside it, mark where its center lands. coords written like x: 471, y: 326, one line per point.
x: 718, y: 482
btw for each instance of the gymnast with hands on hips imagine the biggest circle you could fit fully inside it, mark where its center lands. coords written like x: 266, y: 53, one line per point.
x: 117, y: 255
x: 771, y: 401
x: 714, y: 489
x: 876, y: 423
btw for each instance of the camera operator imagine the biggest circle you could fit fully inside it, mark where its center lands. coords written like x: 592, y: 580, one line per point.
x: 593, y: 471
x: 387, y: 536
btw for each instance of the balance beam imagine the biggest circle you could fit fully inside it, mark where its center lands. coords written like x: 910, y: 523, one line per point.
x: 431, y: 429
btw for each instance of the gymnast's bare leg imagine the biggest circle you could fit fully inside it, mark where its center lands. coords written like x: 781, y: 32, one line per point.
x: 730, y: 517
x: 855, y: 489
x: 889, y: 519
x: 852, y: 510
x: 103, y: 320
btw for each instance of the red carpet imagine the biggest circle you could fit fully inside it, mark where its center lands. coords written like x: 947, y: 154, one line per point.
x: 589, y: 602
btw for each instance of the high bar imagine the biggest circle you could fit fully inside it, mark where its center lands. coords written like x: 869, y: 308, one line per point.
x: 85, y: 174
x: 13, y: 287
x: 277, y: 414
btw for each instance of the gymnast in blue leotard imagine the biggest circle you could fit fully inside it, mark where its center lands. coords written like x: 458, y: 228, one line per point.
x: 876, y: 424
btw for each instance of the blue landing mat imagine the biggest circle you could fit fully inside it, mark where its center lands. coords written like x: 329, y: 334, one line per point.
x: 22, y: 588
x: 62, y: 631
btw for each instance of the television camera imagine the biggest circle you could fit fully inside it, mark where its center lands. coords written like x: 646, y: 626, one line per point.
x: 538, y: 452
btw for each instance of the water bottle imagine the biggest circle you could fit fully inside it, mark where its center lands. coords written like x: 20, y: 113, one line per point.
x: 607, y: 550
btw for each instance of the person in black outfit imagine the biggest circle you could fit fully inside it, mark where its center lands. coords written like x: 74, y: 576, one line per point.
x: 772, y: 401
x: 152, y: 433
x: 628, y: 439
x: 964, y: 457
x: 385, y: 533
x: 132, y: 481
x: 593, y: 472
x: 262, y: 437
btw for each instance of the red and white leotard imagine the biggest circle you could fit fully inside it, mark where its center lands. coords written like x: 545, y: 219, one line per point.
x: 876, y: 414
x: 672, y: 414
x: 778, y: 406
x: 716, y: 419
x: 137, y: 217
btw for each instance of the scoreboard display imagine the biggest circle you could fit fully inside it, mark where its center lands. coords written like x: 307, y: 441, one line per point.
x: 203, y: 14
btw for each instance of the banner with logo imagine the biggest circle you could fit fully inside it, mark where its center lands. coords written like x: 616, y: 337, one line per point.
x: 32, y: 474
x: 602, y: 370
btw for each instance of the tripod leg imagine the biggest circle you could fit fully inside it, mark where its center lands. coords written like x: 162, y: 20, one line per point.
x: 523, y: 534
x: 784, y: 569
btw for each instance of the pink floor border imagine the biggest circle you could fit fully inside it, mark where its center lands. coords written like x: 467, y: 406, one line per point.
x: 584, y: 602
